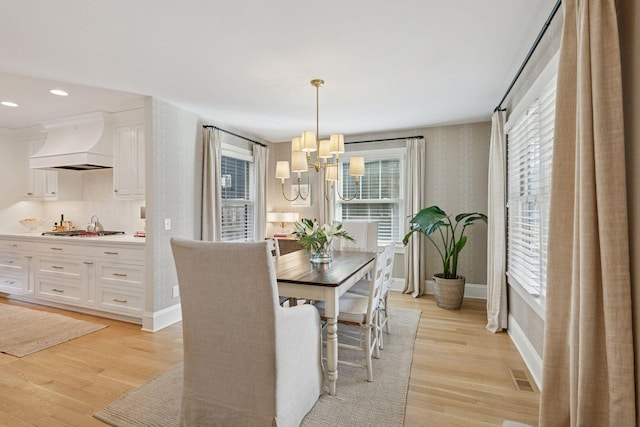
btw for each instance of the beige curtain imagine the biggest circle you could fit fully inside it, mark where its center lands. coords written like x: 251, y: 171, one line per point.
x: 588, y: 370
x: 211, y: 186
x: 415, y: 255
x: 496, y: 229
x: 260, y: 161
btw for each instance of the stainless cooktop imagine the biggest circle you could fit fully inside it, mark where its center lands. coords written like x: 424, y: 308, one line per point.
x: 81, y: 233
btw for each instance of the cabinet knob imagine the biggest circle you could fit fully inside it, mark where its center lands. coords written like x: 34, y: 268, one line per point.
x: 119, y: 274
x: 57, y: 290
x: 122, y: 301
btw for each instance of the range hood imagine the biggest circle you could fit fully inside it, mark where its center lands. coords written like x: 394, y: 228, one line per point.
x: 82, y: 142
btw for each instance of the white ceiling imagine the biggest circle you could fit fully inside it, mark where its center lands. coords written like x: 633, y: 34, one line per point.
x: 247, y: 64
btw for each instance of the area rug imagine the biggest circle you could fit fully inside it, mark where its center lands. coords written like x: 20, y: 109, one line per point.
x: 26, y: 331
x: 357, y: 402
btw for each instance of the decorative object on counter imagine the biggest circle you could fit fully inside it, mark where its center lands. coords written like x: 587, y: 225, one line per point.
x: 33, y: 224
x: 94, y: 225
x: 282, y: 217
x: 316, y: 239
x: 448, y: 287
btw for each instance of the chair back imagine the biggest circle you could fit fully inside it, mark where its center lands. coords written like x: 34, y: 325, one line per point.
x: 390, y: 251
x: 375, y: 285
x: 274, y: 247
x: 229, y: 298
x: 365, y: 234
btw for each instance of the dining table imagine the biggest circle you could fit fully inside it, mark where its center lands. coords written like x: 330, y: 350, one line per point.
x: 299, y: 278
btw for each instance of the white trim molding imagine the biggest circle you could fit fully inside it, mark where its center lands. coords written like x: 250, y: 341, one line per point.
x: 154, y: 321
x: 529, y: 354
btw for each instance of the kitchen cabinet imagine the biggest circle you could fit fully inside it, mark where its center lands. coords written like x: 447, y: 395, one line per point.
x: 41, y: 184
x: 58, y: 272
x: 119, y: 278
x: 16, y: 275
x: 128, y: 171
x: 105, y: 277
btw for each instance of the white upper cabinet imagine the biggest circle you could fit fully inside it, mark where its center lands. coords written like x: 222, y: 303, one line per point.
x: 128, y: 171
x: 41, y: 184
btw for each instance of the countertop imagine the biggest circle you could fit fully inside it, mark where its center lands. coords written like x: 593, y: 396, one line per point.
x: 115, y: 238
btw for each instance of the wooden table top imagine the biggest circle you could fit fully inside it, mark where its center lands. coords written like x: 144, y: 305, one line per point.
x: 295, y: 267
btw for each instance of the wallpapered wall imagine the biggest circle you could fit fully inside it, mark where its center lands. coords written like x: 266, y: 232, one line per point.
x: 457, y: 162
x: 173, y: 185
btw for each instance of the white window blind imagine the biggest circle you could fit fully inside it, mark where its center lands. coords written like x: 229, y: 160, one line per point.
x: 379, y: 197
x: 237, y: 199
x: 529, y: 159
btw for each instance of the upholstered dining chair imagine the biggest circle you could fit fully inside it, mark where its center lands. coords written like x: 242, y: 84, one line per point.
x: 362, y: 288
x: 247, y: 360
x: 361, y: 311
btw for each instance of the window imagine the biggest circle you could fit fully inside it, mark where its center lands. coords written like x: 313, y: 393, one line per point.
x: 379, y: 195
x: 237, y: 196
x: 529, y: 157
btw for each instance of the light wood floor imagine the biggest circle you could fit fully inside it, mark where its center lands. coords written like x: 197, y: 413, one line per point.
x: 462, y: 375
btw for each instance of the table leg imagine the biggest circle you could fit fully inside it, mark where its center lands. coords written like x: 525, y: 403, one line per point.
x: 332, y: 354
x: 331, y: 311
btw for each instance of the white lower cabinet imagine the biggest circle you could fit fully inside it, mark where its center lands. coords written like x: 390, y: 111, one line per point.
x: 15, y: 267
x: 59, y: 278
x: 107, y: 277
x: 120, y: 281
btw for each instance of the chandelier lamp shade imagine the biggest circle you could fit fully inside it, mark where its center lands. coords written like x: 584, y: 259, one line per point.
x: 326, y: 160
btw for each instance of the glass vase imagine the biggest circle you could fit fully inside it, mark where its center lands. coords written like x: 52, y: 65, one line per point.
x: 322, y: 255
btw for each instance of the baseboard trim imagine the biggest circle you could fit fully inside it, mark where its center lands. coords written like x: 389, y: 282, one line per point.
x: 84, y: 310
x: 154, y: 321
x: 529, y: 354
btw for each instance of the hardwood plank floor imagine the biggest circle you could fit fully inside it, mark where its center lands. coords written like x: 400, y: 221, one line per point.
x: 462, y: 375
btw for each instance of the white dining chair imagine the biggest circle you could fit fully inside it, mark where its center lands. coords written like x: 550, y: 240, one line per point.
x: 247, y: 361
x: 360, y: 311
x: 362, y: 288
x: 365, y: 234
x: 274, y: 248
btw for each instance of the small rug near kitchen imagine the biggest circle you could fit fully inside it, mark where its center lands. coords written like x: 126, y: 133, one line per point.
x: 26, y: 331
x: 357, y: 403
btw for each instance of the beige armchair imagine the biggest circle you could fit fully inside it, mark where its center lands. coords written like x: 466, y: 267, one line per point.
x: 247, y: 360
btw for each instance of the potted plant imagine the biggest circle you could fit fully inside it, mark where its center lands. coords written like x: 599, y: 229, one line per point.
x: 448, y: 286
x: 316, y: 238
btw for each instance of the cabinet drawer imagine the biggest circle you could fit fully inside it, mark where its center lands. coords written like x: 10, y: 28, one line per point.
x: 120, y: 301
x: 59, y: 248
x: 60, y: 267
x: 67, y: 292
x: 13, y: 263
x: 15, y: 245
x: 114, y: 252
x: 11, y: 284
x: 120, y: 274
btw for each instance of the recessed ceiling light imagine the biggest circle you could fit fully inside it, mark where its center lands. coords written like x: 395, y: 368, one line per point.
x: 9, y: 104
x: 58, y: 92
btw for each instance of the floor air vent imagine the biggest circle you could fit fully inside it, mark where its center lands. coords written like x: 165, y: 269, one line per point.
x: 520, y: 380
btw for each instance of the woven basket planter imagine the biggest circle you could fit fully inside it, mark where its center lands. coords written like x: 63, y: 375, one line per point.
x: 448, y: 293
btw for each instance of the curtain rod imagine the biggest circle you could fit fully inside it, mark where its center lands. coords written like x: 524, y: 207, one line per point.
x: 234, y: 134
x: 528, y: 57
x: 387, y: 139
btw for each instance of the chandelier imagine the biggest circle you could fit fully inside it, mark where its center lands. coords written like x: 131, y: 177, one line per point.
x: 326, y: 161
